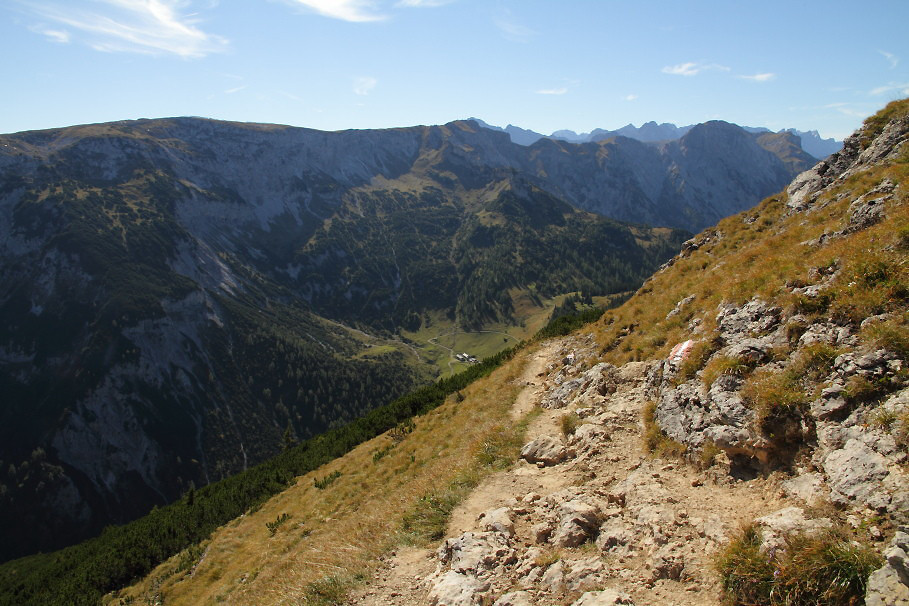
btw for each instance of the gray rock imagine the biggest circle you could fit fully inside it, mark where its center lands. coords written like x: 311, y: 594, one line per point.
x: 614, y: 534
x: 885, y: 588
x: 831, y: 334
x: 587, y: 437
x: 607, y: 597
x: 562, y: 395
x: 554, y: 577
x: 868, y: 209
x: 541, y: 532
x: 889, y: 585
x: 666, y: 563
x: 749, y: 350
x: 809, y: 487
x: 678, y: 306
x: 825, y: 409
x: 584, y: 574
x: 474, y: 552
x: 776, y: 526
x: 498, y: 520
x: 753, y: 318
x: 548, y: 450
x: 514, y: 598
x: 855, y: 471
x: 578, y: 522
x: 457, y: 589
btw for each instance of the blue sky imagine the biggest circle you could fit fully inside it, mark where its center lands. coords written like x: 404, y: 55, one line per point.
x: 538, y: 64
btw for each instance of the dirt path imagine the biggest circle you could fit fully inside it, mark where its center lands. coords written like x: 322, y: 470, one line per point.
x: 666, y: 516
x: 399, y: 580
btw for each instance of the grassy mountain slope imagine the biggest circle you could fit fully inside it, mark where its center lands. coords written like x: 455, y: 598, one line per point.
x: 853, y: 251
x: 181, y: 297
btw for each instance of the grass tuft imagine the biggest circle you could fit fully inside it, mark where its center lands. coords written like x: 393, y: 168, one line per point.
x: 568, y: 423
x: 696, y: 358
x: 826, y: 569
x: 655, y: 441
x: 724, y: 365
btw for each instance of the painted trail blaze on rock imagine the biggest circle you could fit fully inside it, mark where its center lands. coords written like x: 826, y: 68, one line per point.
x: 680, y: 351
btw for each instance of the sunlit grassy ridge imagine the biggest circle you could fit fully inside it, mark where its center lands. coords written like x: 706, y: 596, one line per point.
x: 331, y: 536
x: 758, y: 252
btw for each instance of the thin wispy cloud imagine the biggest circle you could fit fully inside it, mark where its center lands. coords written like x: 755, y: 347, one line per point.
x: 356, y: 11
x: 233, y: 90
x: 363, y: 86
x: 892, y: 87
x: 552, y: 91
x: 765, y: 77
x: 630, y: 97
x: 692, y: 69
x: 891, y: 58
x: 151, y: 27
x: 512, y: 30
x: 54, y: 35
x: 422, y: 3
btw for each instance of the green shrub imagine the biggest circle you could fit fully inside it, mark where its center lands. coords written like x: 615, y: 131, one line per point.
x: 328, y: 591
x: 655, y: 441
x: 381, y: 453
x: 428, y: 521
x: 825, y: 569
x: 708, y: 455
x: 724, y: 365
x: 568, y: 423
x: 746, y: 574
x: 323, y: 483
x: 813, y: 362
x: 892, y: 334
x: 274, y: 526
x: 773, y: 393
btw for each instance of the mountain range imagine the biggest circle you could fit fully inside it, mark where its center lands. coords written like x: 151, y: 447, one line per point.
x: 650, y: 132
x: 736, y: 432
x: 182, y: 298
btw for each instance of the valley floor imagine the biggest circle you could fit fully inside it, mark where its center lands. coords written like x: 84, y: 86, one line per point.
x: 607, y: 517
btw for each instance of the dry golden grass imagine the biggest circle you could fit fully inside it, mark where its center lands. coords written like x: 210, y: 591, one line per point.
x: 332, y: 537
x: 756, y: 254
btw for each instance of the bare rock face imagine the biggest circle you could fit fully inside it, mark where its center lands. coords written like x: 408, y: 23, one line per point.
x: 578, y: 522
x: 514, y: 598
x: 475, y: 552
x: 889, y: 585
x: 547, y: 450
x: 854, y: 472
x: 805, y: 188
x: 456, y: 589
x: 791, y: 520
x: 607, y: 597
x: 498, y: 520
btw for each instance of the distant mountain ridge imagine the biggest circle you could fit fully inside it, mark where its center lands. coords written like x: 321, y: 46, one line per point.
x: 649, y: 132
x: 182, y: 296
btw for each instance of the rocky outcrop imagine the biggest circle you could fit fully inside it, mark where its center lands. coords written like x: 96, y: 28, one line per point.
x: 889, y: 585
x: 806, y: 187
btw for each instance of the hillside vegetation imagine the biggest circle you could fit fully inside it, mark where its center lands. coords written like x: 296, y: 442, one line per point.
x: 181, y: 297
x: 785, y: 415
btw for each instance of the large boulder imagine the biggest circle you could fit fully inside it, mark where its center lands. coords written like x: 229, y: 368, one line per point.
x: 457, y: 589
x: 579, y: 522
x: 548, y: 450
